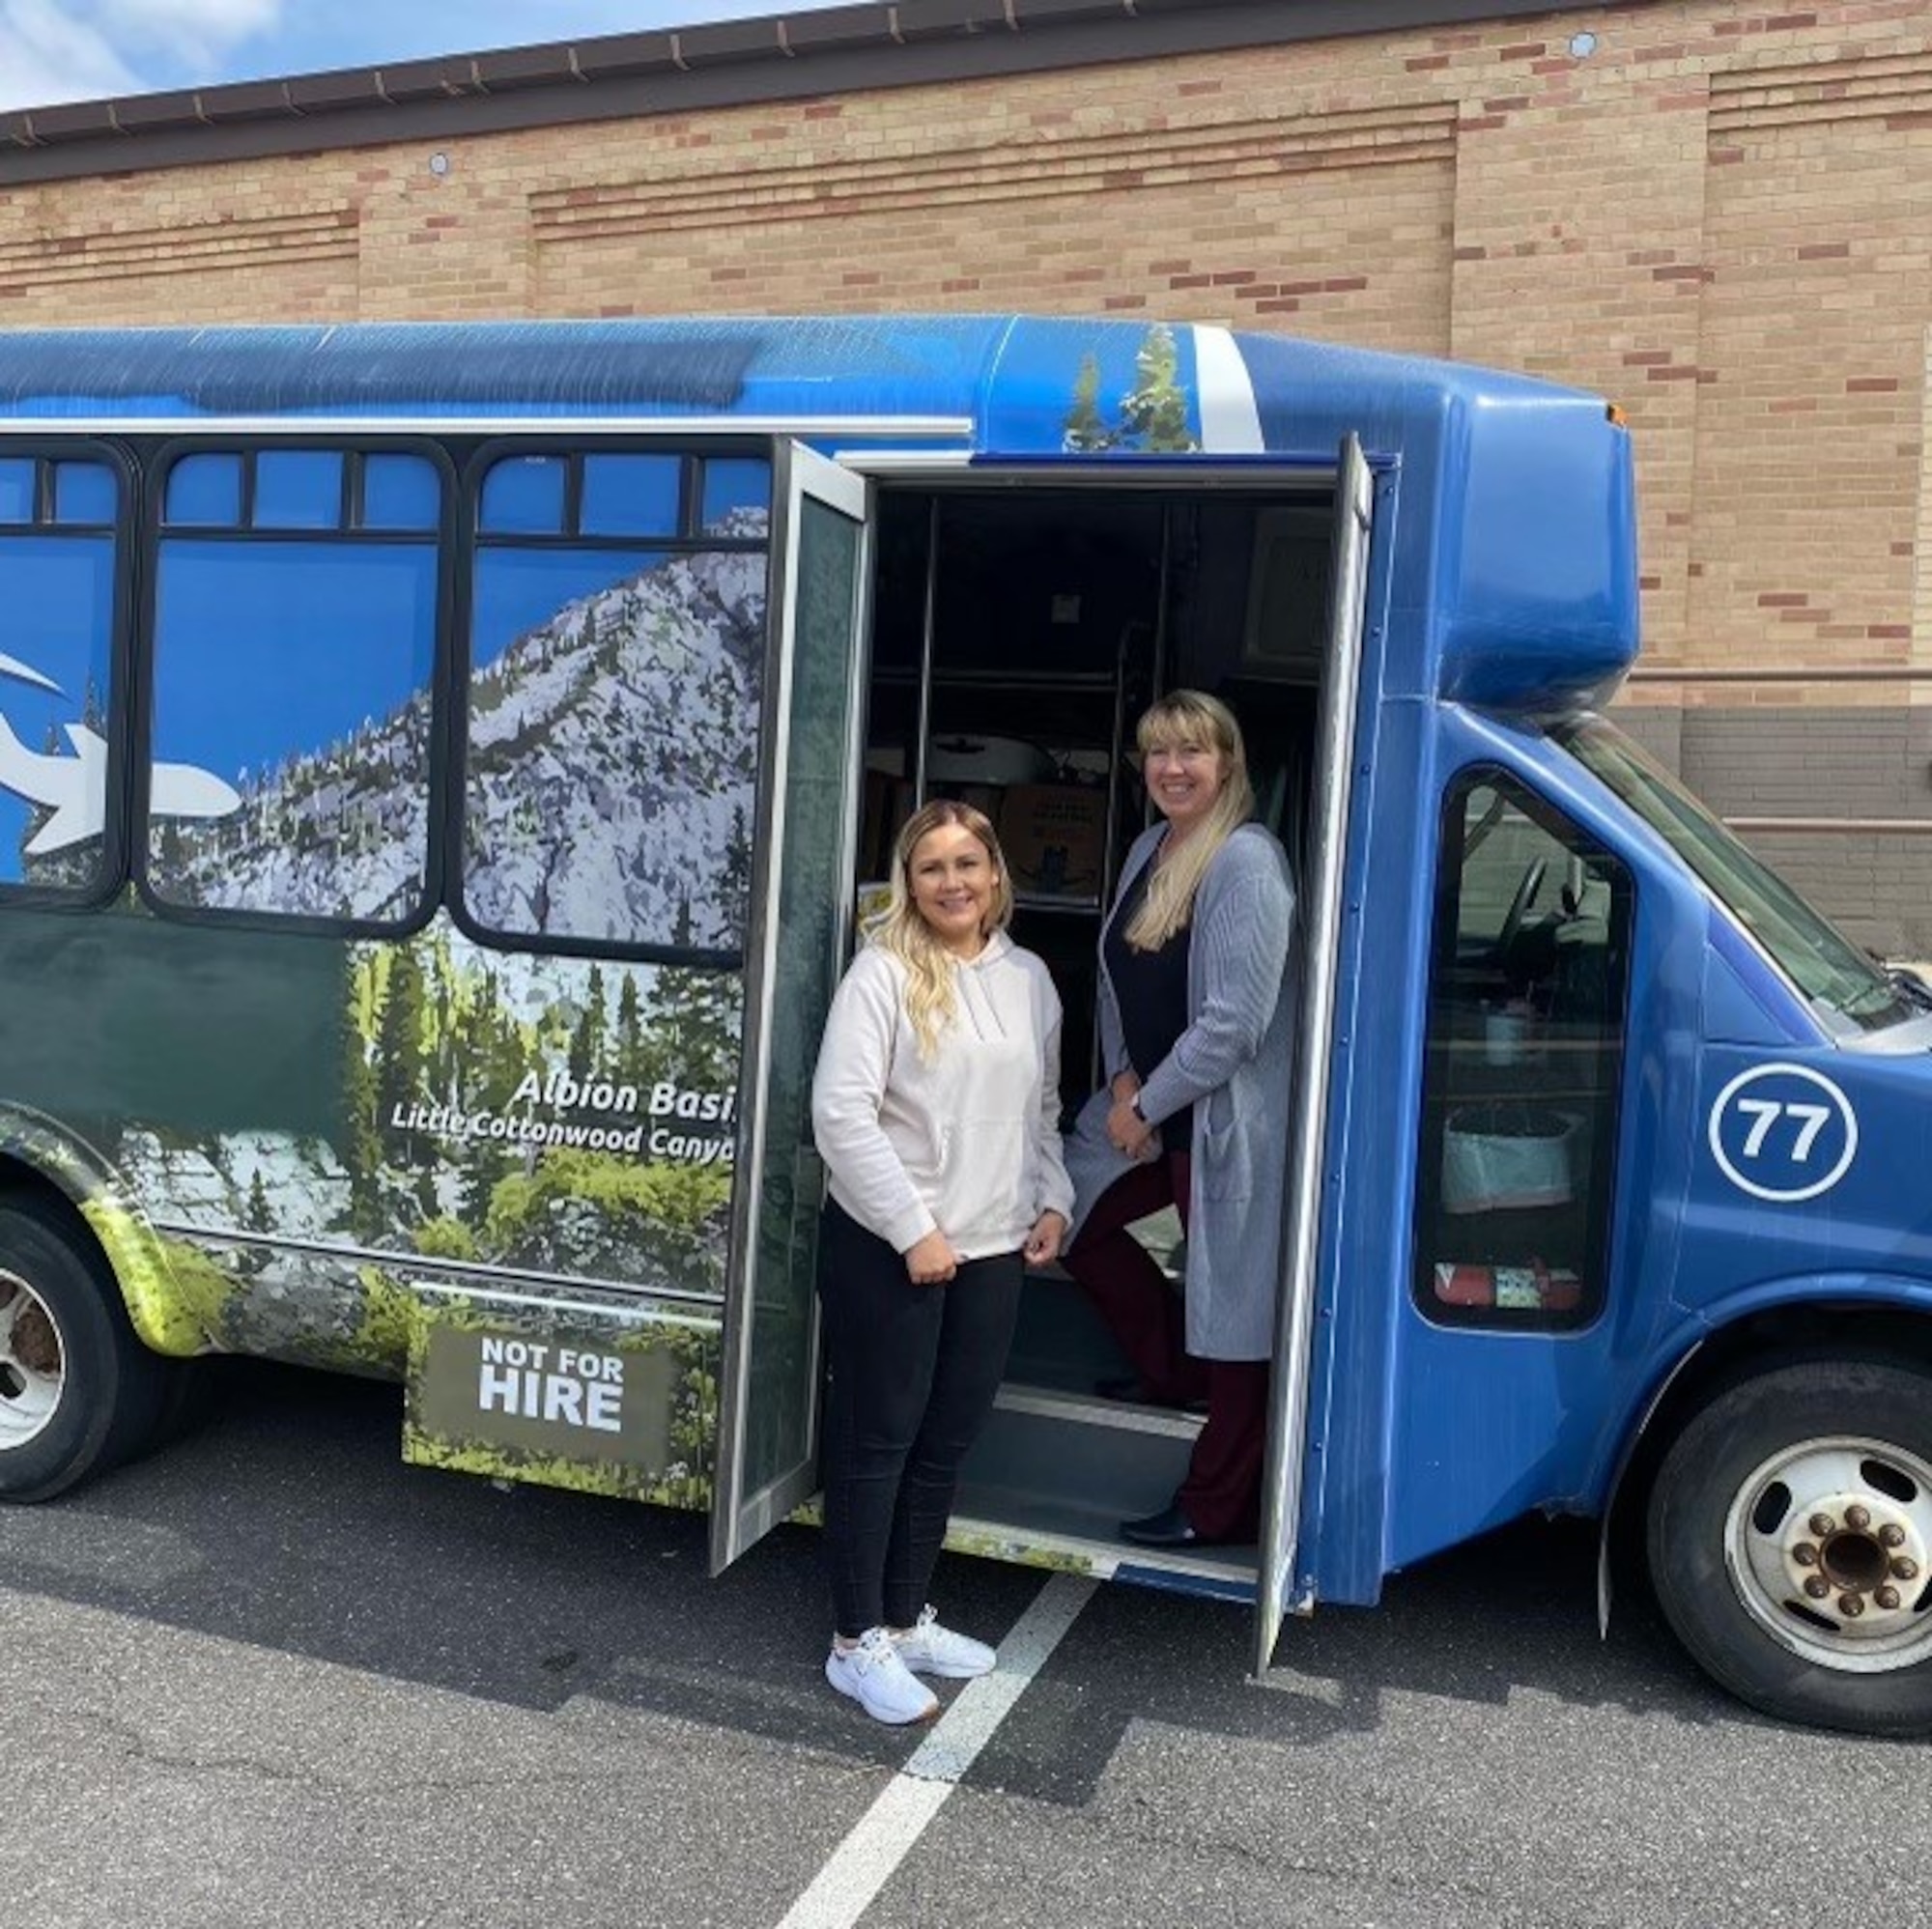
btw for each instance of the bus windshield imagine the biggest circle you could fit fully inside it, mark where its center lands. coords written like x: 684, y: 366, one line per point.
x: 1849, y: 989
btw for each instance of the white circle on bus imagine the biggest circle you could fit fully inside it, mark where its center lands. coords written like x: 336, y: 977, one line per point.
x: 1784, y: 1133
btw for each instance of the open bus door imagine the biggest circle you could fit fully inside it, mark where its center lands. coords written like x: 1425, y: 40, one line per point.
x: 795, y: 947
x: 1308, y: 1122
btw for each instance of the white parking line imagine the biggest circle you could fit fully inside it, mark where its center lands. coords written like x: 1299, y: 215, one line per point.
x: 864, y: 1863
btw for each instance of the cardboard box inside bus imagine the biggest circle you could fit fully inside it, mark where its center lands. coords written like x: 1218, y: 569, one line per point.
x: 1055, y: 836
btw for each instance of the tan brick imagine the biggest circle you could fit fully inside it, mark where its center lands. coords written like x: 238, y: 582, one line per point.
x: 1722, y: 219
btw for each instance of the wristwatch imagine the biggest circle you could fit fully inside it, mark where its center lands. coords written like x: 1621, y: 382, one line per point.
x: 1134, y: 1106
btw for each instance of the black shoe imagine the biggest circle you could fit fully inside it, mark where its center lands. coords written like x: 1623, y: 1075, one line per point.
x: 1169, y: 1528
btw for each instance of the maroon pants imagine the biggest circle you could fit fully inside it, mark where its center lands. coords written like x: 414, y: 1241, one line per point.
x: 1221, y: 1495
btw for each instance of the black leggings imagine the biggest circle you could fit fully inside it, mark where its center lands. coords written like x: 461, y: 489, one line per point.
x: 914, y: 1372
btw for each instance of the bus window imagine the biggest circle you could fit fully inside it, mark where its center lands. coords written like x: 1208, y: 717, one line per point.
x: 204, y: 491
x: 294, y: 645
x: 525, y: 497
x: 299, y: 489
x: 1523, y: 1063
x: 59, y: 568
x: 19, y: 491
x: 737, y: 495
x: 85, y: 495
x: 612, y: 717
x: 400, y: 492
x: 631, y: 496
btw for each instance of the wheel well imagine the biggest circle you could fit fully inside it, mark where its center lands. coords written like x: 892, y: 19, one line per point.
x: 20, y: 1180
x: 1754, y: 1344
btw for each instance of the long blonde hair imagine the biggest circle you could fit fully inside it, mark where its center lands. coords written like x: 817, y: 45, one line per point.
x: 900, y: 929
x: 1191, y: 717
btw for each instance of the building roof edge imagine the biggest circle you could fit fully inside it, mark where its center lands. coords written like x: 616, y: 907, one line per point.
x: 844, y: 50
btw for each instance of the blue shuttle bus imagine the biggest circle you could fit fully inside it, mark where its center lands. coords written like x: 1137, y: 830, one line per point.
x: 439, y: 768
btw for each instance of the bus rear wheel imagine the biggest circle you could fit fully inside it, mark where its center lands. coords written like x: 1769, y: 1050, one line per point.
x: 78, y: 1390
x: 1790, y: 1533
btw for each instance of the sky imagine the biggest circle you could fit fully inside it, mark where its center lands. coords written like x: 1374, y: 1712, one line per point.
x: 54, y: 50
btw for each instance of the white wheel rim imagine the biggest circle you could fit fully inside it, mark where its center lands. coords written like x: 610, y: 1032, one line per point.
x: 1827, y: 1544
x: 33, y: 1362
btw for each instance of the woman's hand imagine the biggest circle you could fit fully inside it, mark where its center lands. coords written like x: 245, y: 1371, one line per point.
x: 932, y: 1261
x: 1130, y: 1133
x: 1126, y: 1088
x: 1042, y: 1245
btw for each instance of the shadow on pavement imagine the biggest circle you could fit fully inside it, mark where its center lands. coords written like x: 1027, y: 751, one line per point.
x: 286, y: 1522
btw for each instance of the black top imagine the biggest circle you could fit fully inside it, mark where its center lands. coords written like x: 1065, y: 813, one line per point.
x: 1151, y: 989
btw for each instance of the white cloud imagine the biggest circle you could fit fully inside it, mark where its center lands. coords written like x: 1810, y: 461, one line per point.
x: 54, y: 50
x: 47, y: 55
x: 194, y: 28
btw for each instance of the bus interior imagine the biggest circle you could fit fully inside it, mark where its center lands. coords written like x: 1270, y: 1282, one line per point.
x: 1018, y: 632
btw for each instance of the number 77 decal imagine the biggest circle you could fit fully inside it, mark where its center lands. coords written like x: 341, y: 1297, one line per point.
x: 1772, y: 1120
x: 1768, y: 1111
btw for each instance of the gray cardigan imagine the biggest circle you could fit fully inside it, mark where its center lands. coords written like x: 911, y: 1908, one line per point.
x: 1232, y: 1064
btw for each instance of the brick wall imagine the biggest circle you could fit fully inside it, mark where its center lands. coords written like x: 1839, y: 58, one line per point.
x: 1722, y: 218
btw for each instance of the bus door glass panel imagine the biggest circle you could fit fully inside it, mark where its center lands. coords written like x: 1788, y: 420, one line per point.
x: 59, y: 574
x: 292, y: 655
x: 616, y: 654
x: 803, y: 896
x: 1523, y: 1063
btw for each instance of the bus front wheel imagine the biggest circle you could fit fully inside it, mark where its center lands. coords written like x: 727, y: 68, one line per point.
x: 1790, y: 1533
x: 78, y: 1390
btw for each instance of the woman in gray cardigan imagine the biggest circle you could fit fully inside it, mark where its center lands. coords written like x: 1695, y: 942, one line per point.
x: 1198, y: 995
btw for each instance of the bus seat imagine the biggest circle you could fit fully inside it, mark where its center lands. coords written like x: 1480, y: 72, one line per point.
x: 1586, y: 917
x: 1580, y: 981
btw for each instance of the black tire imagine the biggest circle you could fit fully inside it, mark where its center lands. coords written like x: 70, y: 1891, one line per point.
x: 62, y: 1321
x: 1797, y: 1444
x: 185, y: 1401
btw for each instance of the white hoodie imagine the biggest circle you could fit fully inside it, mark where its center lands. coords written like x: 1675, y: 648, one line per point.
x: 967, y: 1143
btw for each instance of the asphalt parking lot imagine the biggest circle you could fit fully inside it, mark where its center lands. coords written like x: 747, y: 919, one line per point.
x: 274, y: 1677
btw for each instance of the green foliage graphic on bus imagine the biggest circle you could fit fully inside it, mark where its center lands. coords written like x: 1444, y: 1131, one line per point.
x: 542, y: 1114
x: 1152, y: 417
x: 320, y: 1150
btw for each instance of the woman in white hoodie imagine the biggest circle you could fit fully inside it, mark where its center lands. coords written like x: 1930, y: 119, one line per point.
x: 935, y: 1108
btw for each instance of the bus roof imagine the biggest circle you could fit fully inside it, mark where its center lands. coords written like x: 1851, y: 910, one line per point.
x: 1512, y: 567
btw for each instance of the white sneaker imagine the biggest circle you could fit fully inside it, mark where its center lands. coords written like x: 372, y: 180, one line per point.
x: 874, y: 1676
x: 928, y: 1649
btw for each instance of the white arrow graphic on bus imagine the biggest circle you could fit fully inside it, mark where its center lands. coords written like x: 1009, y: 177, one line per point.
x: 22, y: 672
x: 75, y: 788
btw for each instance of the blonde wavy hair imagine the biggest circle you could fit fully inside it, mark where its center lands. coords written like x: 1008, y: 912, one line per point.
x: 902, y: 930
x: 1181, y: 718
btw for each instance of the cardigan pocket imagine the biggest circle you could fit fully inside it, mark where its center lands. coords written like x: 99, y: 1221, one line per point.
x: 1222, y: 1152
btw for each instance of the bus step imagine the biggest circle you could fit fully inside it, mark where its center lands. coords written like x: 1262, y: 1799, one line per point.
x: 1089, y: 1409
x: 1111, y: 1464
x: 1013, y: 1526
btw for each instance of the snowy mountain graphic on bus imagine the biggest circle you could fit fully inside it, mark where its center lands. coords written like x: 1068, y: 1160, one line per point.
x: 608, y: 773
x: 613, y: 757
